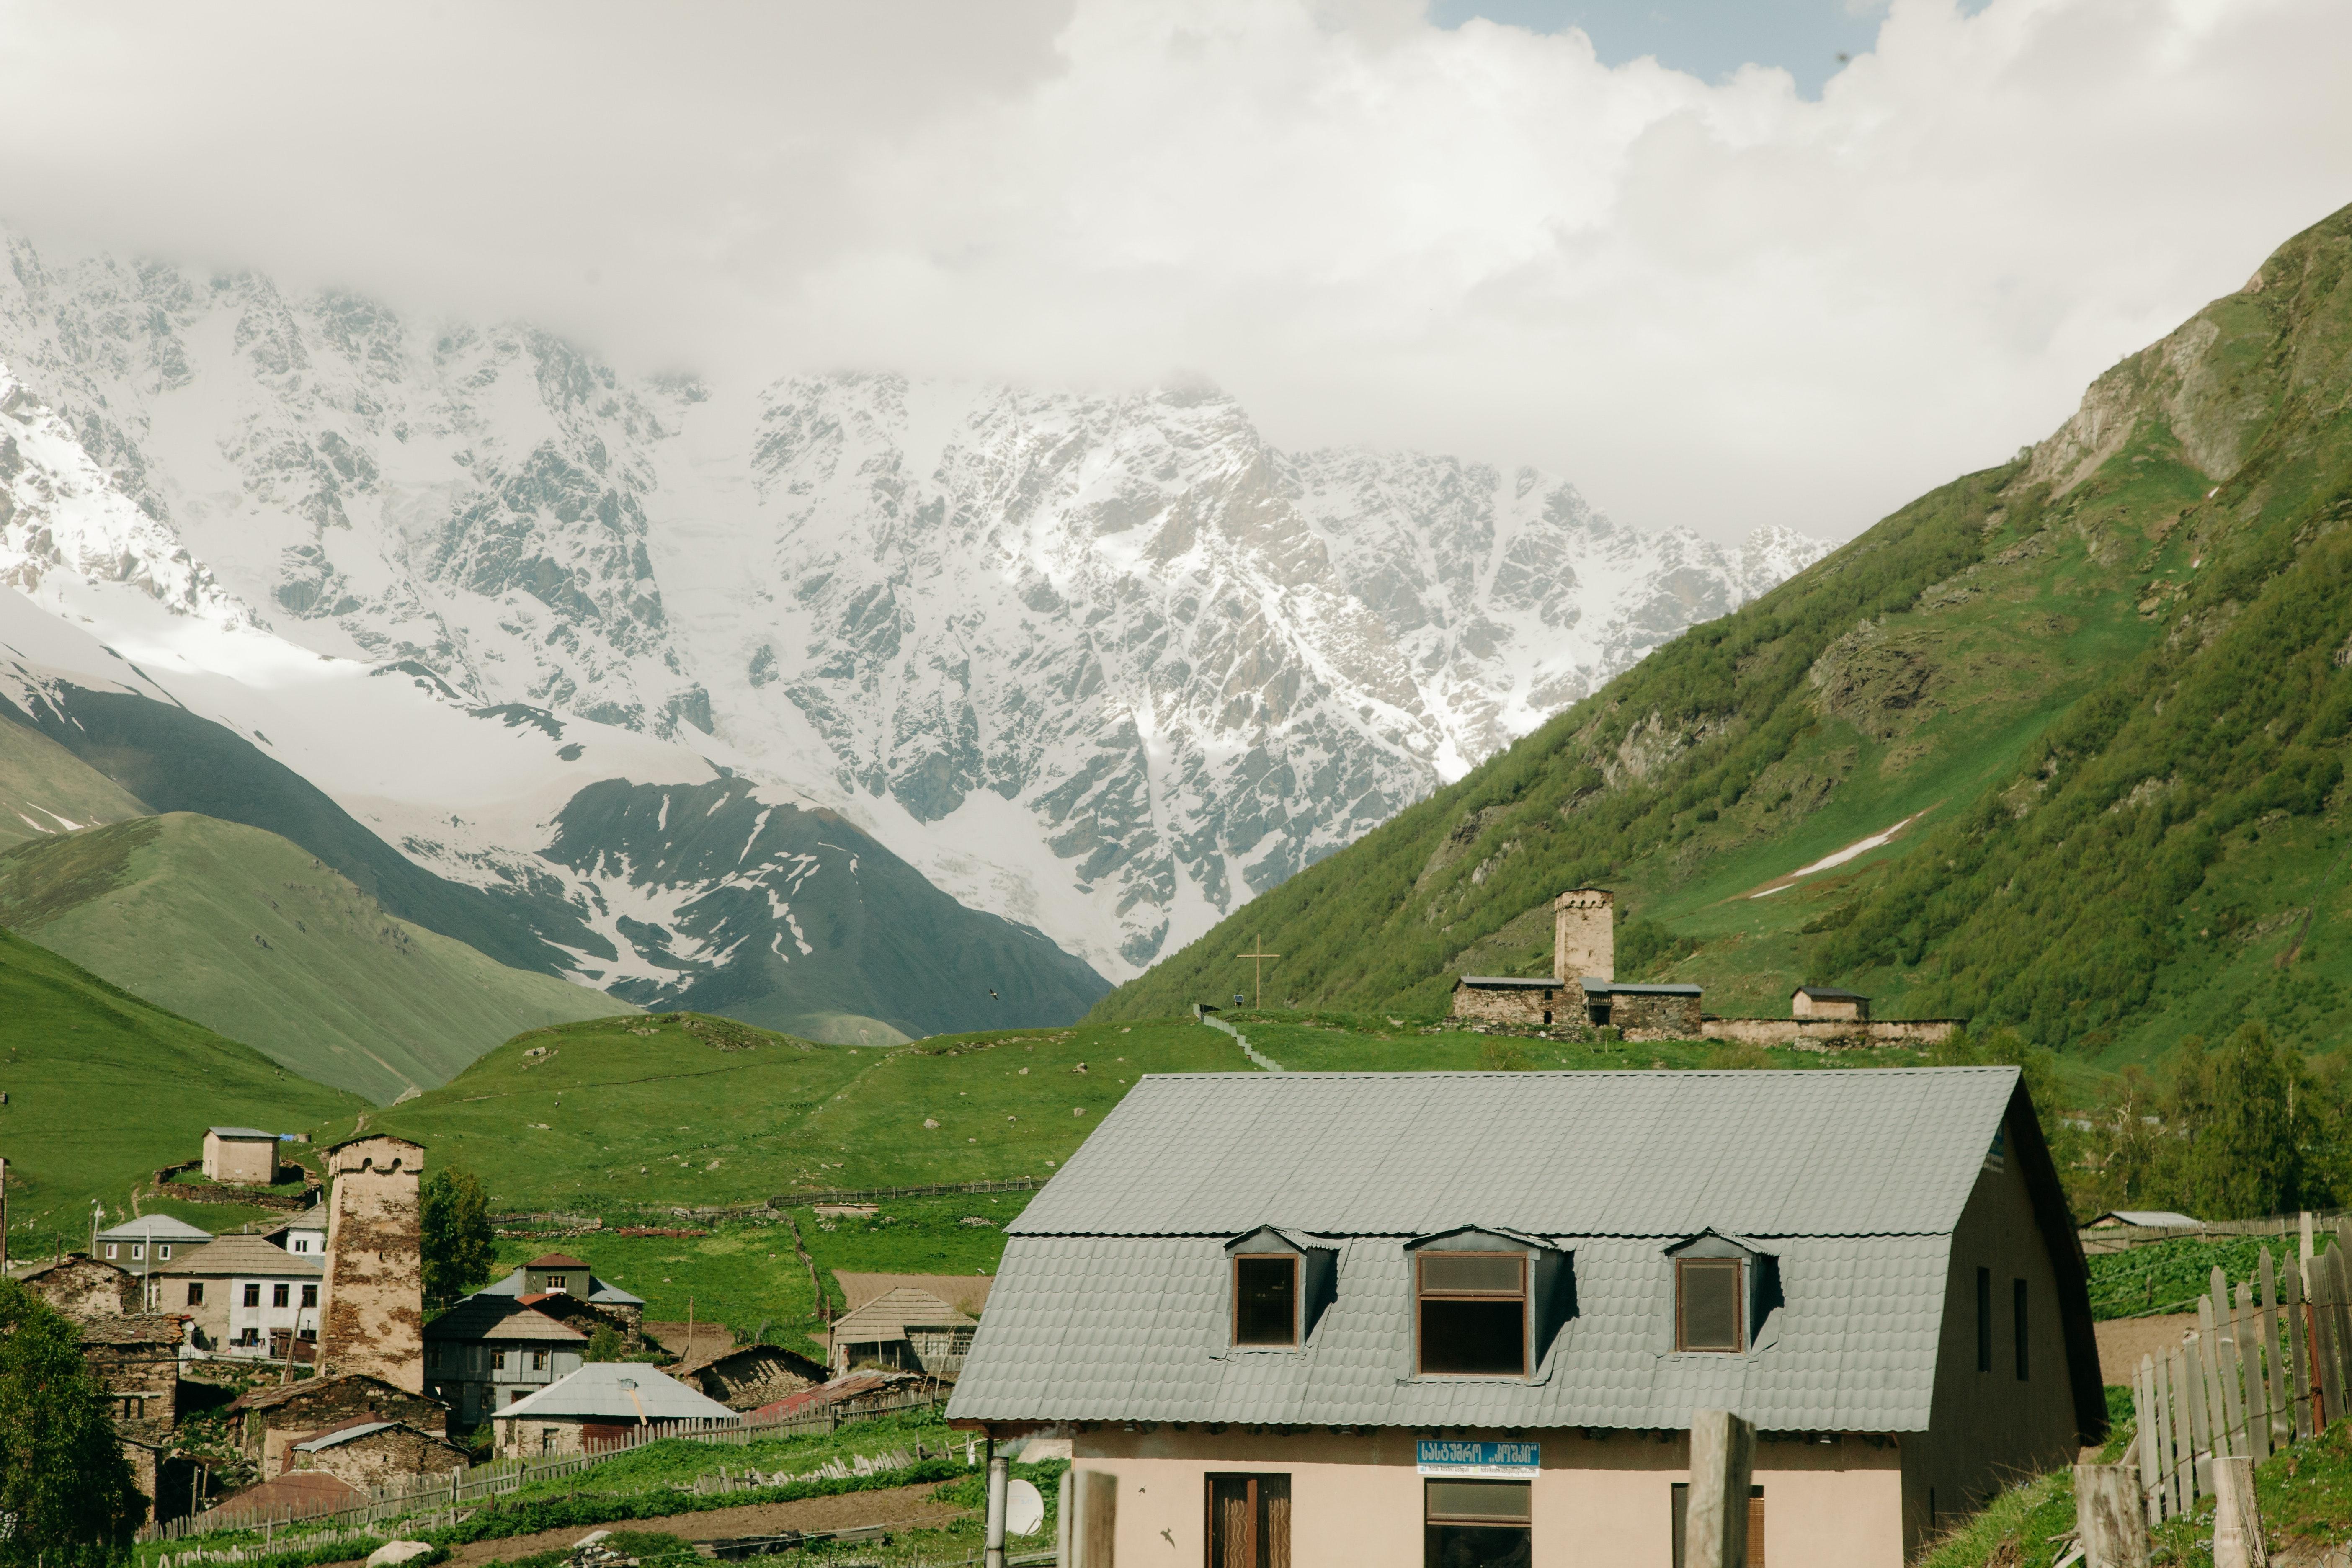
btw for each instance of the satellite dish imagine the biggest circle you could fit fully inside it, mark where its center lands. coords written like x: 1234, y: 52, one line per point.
x: 1024, y: 1509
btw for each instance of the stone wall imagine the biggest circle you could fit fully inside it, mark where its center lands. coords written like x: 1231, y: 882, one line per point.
x: 276, y: 1418
x: 1643, y: 1018
x: 1517, y: 1006
x: 394, y: 1454
x: 1832, y: 1034
x: 371, y: 1313
x: 1584, y: 934
x: 84, y: 1286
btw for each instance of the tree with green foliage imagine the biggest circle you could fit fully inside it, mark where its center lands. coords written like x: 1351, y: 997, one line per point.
x: 456, y: 1220
x: 2258, y: 1133
x: 65, y: 1486
x: 604, y: 1344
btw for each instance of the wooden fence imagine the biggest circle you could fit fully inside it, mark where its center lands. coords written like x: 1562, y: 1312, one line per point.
x: 2268, y: 1365
x: 2099, y: 1238
x: 441, y: 1499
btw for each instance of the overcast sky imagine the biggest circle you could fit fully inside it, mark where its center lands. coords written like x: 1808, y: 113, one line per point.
x: 1580, y: 234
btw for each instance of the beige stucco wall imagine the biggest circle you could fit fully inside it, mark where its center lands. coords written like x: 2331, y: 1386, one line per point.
x: 1356, y: 1499
x: 372, y: 1301
x: 1986, y: 1427
x: 245, y: 1160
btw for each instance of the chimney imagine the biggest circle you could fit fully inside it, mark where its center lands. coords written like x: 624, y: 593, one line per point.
x: 1584, y: 935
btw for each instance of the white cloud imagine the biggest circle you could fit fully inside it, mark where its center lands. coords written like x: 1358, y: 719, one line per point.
x: 1712, y: 304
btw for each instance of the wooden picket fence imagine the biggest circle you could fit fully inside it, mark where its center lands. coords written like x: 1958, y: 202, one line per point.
x: 2266, y: 1367
x: 444, y: 1497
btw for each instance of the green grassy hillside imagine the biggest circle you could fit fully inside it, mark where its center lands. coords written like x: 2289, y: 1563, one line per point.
x: 104, y: 1089
x: 45, y: 789
x: 2097, y: 696
x: 255, y: 937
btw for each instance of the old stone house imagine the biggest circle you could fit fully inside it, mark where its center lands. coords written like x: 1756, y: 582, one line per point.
x: 245, y: 1296
x: 905, y: 1330
x: 1384, y: 1319
x: 271, y: 1420
x: 602, y: 1402
x: 488, y: 1350
x: 375, y: 1453
x: 242, y: 1157
x: 136, y: 1358
x: 80, y: 1287
x: 745, y: 1377
x: 1828, y: 1002
x: 1582, y: 988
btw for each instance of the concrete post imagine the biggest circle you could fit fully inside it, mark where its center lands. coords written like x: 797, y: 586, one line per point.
x: 2107, y: 1517
x: 2237, y: 1517
x: 1722, y: 1462
x: 999, y: 1473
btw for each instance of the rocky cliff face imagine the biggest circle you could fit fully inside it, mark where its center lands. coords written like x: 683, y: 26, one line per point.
x: 1105, y: 665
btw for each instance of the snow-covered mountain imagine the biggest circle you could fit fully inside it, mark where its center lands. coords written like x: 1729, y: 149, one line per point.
x: 1104, y: 664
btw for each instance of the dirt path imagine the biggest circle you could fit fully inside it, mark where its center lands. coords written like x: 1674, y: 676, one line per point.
x: 909, y: 1507
x: 2123, y: 1340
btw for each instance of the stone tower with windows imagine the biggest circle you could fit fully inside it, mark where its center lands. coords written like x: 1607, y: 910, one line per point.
x: 1584, y: 935
x: 371, y: 1317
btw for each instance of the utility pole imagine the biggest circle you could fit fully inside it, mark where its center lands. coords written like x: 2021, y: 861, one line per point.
x: 1257, y: 960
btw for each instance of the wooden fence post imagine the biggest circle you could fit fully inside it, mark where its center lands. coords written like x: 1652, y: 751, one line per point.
x: 2298, y: 1352
x: 1722, y: 1460
x: 2225, y: 1364
x: 2237, y: 1516
x: 2170, y: 1418
x: 2107, y: 1517
x: 2144, y: 1417
x: 2274, y: 1353
x: 2250, y: 1361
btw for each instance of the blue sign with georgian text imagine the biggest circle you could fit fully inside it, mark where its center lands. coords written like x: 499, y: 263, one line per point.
x: 1494, y: 1461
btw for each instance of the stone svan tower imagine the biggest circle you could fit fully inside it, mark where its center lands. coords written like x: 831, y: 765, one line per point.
x: 1584, y: 935
x: 371, y: 1317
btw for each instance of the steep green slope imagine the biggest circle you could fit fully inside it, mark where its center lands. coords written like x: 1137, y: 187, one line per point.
x: 104, y: 1089
x: 253, y: 936
x: 45, y: 789
x: 689, y: 1109
x: 2096, y: 698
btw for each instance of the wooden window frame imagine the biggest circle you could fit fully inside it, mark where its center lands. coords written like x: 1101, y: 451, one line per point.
x: 1739, y: 1283
x: 252, y: 1294
x: 1423, y: 1294
x: 1297, y: 1289
x: 195, y: 1293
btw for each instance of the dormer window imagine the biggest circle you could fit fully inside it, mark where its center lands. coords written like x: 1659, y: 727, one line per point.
x: 1280, y: 1283
x: 1266, y: 1299
x: 1709, y: 1305
x: 1724, y: 1292
x: 1474, y: 1313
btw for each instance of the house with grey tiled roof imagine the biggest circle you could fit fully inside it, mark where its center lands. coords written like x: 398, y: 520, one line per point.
x: 1405, y: 1317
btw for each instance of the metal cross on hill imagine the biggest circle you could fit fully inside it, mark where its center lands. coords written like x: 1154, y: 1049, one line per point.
x: 1257, y: 985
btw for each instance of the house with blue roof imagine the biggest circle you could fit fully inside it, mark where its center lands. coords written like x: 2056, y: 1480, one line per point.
x: 1465, y: 1318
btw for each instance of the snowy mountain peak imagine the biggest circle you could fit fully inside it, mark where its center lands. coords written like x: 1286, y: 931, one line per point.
x: 1106, y: 665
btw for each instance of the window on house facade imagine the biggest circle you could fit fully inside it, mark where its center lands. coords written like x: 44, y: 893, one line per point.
x: 113, y: 1250
x: 499, y: 1361
x: 2017, y: 1294
x: 253, y: 1295
x: 1755, y: 1525
x: 1475, y: 1524
x: 1249, y: 1521
x: 137, y: 1251
x: 131, y: 1408
x: 1266, y: 1300
x: 558, y: 1282
x: 1473, y: 1313
x: 195, y: 1293
x: 280, y: 1294
x: 309, y: 1295
x: 1984, y: 1319
x: 539, y: 1361
x: 1710, y: 1304
x: 164, y: 1251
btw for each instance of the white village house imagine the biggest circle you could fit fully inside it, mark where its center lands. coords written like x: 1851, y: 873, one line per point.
x: 1465, y: 1318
